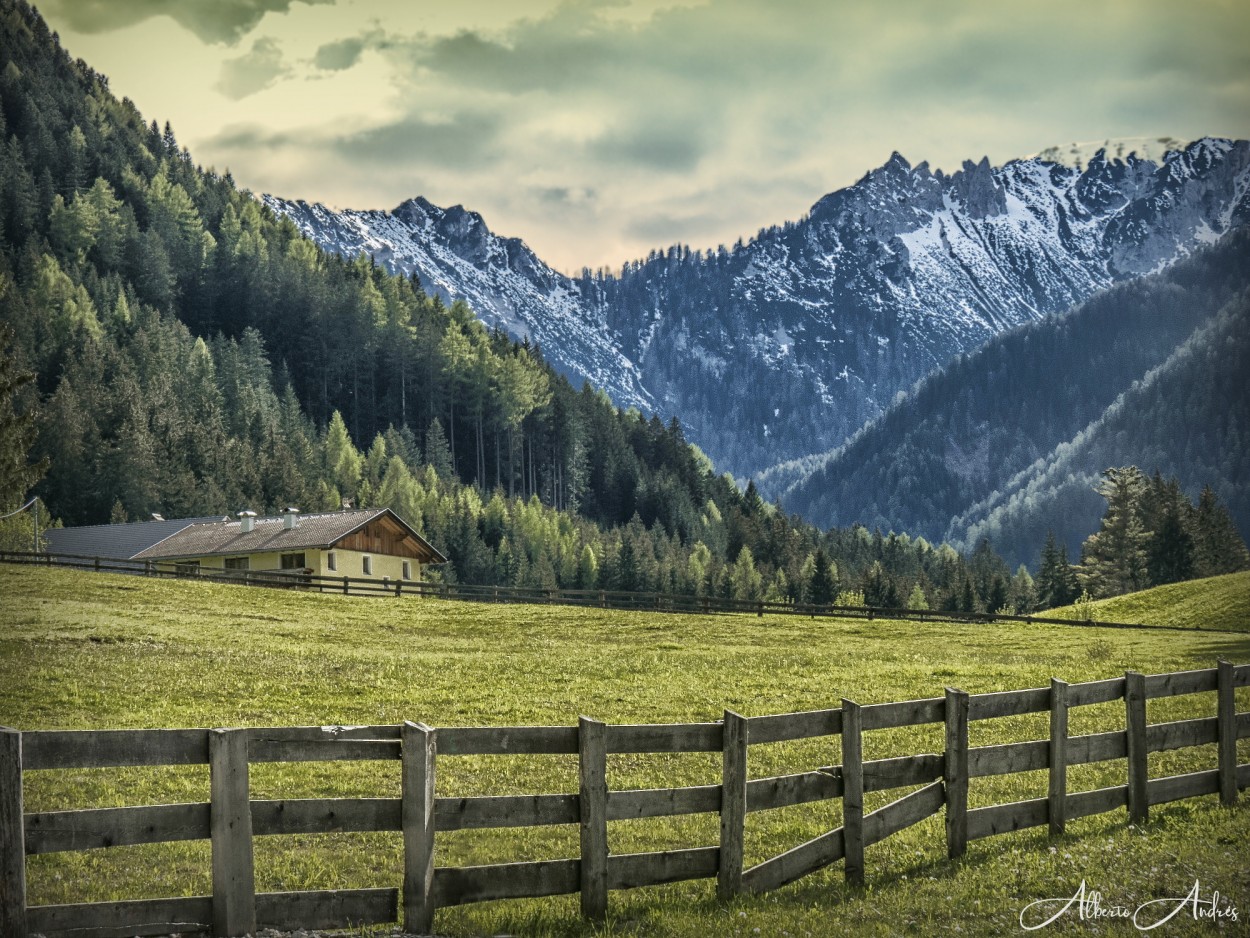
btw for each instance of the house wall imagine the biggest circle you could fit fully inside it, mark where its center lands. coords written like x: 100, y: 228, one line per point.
x: 351, y: 563
x: 348, y: 562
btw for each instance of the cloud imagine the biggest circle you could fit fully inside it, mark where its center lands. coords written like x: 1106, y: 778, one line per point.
x: 342, y: 54
x: 597, y: 135
x: 253, y: 71
x: 336, y: 56
x: 218, y: 21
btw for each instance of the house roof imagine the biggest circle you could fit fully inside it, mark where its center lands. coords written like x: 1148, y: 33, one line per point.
x: 314, y: 531
x: 116, y: 541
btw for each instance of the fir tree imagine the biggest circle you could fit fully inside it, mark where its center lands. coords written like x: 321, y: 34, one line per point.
x: 1113, y: 560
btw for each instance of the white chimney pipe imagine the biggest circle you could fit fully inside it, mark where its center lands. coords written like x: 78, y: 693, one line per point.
x: 247, y: 521
x: 291, y: 521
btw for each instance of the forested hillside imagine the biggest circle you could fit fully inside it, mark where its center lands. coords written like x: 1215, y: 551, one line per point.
x: 1029, y: 400
x: 193, y: 354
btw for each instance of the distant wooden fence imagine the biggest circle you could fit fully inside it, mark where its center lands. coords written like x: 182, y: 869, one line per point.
x: 231, y: 819
x: 605, y: 599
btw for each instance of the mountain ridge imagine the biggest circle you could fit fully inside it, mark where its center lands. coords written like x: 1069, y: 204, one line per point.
x: 836, y: 313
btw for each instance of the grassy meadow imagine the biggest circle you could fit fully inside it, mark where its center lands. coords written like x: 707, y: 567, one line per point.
x: 81, y: 650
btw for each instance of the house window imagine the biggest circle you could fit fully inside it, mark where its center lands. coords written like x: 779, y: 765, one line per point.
x: 332, y: 562
x: 237, y: 563
x: 187, y: 566
x: 293, y: 562
x: 366, y: 564
x: 407, y: 570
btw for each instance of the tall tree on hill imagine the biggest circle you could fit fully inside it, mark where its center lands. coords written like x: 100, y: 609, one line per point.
x: 1218, y: 546
x: 1056, y: 583
x: 1166, y: 516
x: 1113, y: 560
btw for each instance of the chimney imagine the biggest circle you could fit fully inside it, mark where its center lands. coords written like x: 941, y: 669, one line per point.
x: 291, y: 521
x: 247, y: 521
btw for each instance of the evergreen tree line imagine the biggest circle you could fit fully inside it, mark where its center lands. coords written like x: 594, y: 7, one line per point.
x: 1153, y: 534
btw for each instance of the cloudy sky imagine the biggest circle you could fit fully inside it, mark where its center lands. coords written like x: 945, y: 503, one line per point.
x: 598, y: 129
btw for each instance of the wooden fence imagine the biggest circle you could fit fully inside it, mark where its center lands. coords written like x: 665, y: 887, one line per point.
x: 605, y: 599
x: 231, y: 819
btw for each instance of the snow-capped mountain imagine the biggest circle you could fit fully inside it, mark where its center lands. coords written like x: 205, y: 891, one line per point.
x: 787, y: 344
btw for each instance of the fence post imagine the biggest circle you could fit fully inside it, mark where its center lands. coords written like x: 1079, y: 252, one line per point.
x: 853, y: 791
x: 1058, y: 791
x: 1135, y: 739
x: 593, y: 803
x: 234, y: 881
x: 733, y: 805
x: 419, y: 748
x: 12, y: 836
x: 1226, y: 719
x: 956, y: 772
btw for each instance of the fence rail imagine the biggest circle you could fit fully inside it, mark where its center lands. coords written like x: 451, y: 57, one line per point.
x: 231, y: 819
x: 605, y: 599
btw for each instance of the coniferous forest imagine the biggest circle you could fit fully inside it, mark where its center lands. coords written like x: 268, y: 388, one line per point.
x: 192, y: 354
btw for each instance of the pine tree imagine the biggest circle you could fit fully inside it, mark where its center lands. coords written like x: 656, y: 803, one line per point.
x: 822, y: 588
x: 1113, y: 560
x: 1219, y: 547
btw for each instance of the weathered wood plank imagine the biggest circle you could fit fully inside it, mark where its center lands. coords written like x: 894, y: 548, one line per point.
x: 324, y: 815
x: 1098, y: 801
x: 593, y: 804
x: 1008, y: 703
x: 905, y: 713
x: 902, y: 771
x: 1226, y: 718
x: 327, y: 908
x: 1135, y: 739
x: 1004, y: 818
x: 230, y: 827
x: 630, y: 870
x: 908, y: 810
x: 507, y: 740
x: 492, y: 811
x: 92, y: 749
x: 781, y: 727
x: 781, y: 791
x: 418, y: 819
x: 12, y: 842
x: 853, y: 791
x: 796, y: 863
x: 1241, y: 675
x: 733, y: 806
x: 460, y: 885
x: 1095, y: 692
x: 1096, y: 747
x: 1181, y: 734
x: 123, y: 919
x: 89, y: 829
x: 325, y: 749
x: 664, y: 737
x: 1176, y: 787
x: 1177, y: 683
x: 1008, y: 758
x: 1057, y: 757
x: 956, y: 772
x: 1243, y: 725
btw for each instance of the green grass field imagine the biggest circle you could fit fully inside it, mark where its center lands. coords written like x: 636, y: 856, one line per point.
x: 82, y: 650
x: 1221, y: 602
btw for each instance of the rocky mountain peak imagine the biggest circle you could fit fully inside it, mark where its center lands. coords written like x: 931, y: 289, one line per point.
x: 790, y: 343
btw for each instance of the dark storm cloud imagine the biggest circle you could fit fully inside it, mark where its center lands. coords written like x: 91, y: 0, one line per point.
x: 224, y: 21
